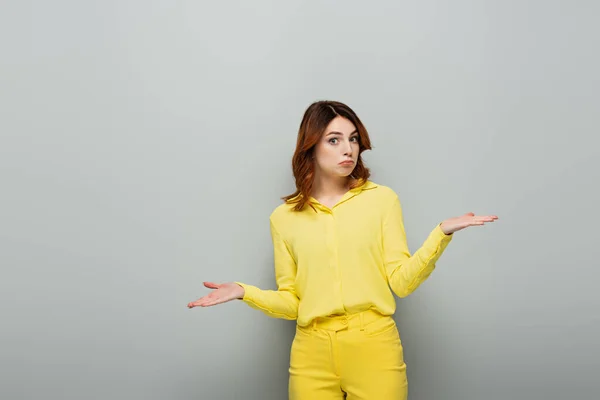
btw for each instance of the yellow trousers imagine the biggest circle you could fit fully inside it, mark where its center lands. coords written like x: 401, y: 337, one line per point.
x: 353, y: 357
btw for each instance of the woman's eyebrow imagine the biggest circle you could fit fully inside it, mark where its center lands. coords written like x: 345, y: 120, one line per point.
x: 339, y: 133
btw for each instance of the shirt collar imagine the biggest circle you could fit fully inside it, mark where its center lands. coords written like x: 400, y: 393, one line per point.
x: 366, y: 185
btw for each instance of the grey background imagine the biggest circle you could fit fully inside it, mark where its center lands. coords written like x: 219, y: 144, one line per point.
x: 145, y: 143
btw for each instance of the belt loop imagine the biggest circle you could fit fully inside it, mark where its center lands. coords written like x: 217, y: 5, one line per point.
x: 362, y: 321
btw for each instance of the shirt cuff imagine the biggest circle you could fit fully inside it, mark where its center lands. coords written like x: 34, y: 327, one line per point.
x: 440, y: 232
x: 249, y: 292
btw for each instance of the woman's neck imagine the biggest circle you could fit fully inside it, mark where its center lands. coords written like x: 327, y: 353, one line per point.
x: 330, y: 186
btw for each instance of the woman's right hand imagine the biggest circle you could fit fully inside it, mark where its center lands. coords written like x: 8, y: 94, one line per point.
x: 223, y: 293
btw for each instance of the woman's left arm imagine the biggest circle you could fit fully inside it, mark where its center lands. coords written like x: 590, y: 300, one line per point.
x: 406, y: 272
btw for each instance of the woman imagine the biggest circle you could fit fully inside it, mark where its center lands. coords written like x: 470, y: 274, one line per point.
x: 340, y: 253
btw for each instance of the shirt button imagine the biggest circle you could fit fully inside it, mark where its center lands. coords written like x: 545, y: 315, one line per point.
x: 345, y: 321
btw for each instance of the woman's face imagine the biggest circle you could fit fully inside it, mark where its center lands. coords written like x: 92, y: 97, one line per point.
x: 336, y: 153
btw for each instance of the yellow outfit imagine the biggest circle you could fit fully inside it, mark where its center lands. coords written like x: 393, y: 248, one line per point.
x: 344, y: 262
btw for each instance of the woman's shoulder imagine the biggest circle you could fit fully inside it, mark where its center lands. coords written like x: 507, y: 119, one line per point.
x: 282, y: 212
x: 283, y: 208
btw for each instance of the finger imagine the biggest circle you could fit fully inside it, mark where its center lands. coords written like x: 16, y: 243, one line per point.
x: 205, y: 300
x: 484, y: 219
x: 212, y: 285
x: 198, y: 302
x: 487, y: 217
x: 212, y: 302
x: 470, y: 214
x: 475, y: 223
x: 193, y: 304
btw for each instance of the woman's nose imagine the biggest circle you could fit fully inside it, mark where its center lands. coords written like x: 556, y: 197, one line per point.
x: 348, y: 149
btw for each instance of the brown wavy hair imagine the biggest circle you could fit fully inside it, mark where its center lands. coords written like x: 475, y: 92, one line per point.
x: 314, y: 122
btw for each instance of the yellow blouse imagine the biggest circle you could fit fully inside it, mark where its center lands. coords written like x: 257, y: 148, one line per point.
x: 343, y: 260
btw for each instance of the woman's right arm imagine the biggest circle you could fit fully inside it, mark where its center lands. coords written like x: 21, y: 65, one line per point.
x: 280, y: 303
x: 283, y: 302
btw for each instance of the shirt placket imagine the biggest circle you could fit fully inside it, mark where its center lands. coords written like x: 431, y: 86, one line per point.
x: 334, y: 262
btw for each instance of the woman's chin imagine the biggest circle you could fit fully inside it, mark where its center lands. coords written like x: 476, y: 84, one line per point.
x: 344, y: 174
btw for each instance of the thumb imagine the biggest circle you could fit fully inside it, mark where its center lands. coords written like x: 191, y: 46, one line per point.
x: 470, y: 214
x: 211, y: 285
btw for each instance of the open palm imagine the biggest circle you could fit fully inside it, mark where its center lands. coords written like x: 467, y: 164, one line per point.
x: 223, y: 292
x: 452, y: 225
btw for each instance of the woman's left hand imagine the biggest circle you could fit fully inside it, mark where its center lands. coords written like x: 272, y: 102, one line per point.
x: 452, y: 225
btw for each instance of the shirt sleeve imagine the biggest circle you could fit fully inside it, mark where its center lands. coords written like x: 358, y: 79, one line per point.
x: 406, y: 272
x: 281, y: 303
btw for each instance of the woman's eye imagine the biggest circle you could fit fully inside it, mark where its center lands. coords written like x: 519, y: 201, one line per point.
x: 352, y: 139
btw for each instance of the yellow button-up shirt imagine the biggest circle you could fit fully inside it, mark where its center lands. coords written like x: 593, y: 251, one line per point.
x: 345, y: 259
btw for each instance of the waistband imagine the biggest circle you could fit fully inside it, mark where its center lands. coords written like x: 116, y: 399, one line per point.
x: 347, y: 321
